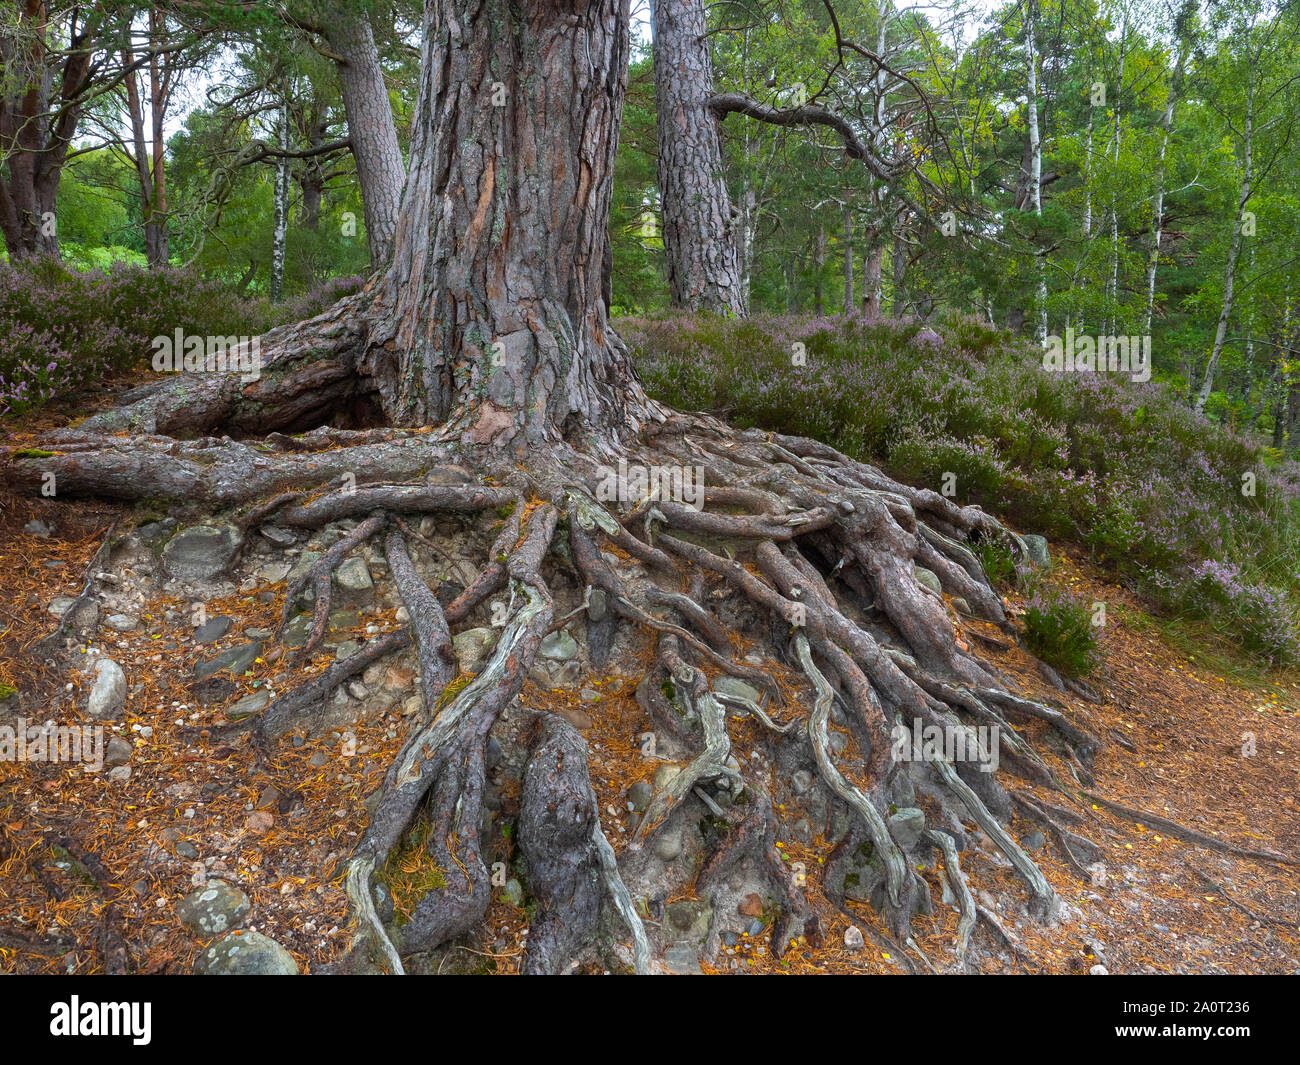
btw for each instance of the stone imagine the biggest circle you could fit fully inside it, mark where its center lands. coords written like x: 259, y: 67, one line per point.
x: 117, y: 752
x: 212, y: 629
x: 1040, y: 556
x: 853, y: 939
x: 737, y: 688
x: 906, y: 826
x: 961, y: 606
x: 668, y: 847
x: 201, y: 552
x: 472, y: 648
x: 121, y: 622
x: 214, y: 908
x: 928, y: 579
x: 513, y: 892
x: 1033, y: 840
x: 249, y: 705
x: 690, y: 917
x: 639, y: 796
x: 235, y: 659
x: 120, y: 774
x: 750, y: 906
x: 664, y: 776
x: 1099, y: 970
x: 297, y: 631
x: 60, y: 605
x: 682, y: 959
x: 597, y: 605
x: 37, y: 527
x: 354, y: 581
x: 395, y: 679
x: 246, y: 954
x: 559, y: 646
x: 108, y: 693
x: 346, y: 650
x: 279, y: 535
x: 186, y: 849
x: 801, y: 782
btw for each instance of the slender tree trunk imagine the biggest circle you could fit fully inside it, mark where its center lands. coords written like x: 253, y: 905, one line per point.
x: 1035, y: 167
x: 281, y: 235
x: 490, y: 315
x: 898, y: 264
x: 371, y: 129
x: 849, y: 304
x: 1158, y: 201
x: 1234, y: 250
x: 1112, y: 282
x: 703, y: 272
x: 819, y: 270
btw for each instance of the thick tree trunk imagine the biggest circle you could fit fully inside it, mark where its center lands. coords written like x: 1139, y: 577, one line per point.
x: 703, y: 271
x: 490, y: 315
x: 371, y: 129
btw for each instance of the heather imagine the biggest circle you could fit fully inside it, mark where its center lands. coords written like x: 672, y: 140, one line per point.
x: 1203, y: 519
x: 63, y: 329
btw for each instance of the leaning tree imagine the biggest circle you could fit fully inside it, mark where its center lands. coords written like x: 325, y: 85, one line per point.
x: 478, y: 373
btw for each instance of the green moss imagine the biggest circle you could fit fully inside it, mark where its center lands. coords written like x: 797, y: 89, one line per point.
x: 32, y: 453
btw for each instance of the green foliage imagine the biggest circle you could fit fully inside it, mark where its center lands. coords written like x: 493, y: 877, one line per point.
x: 1059, y: 630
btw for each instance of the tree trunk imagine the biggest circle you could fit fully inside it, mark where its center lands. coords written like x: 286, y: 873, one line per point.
x: 281, y: 235
x: 1158, y: 202
x: 490, y: 315
x: 1035, y: 147
x: 898, y: 268
x: 371, y: 129
x: 848, y: 260
x: 819, y: 269
x: 871, y: 274
x: 703, y: 272
x: 1234, y: 250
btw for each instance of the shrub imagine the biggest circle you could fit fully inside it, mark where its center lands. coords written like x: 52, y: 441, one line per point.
x: 1059, y: 630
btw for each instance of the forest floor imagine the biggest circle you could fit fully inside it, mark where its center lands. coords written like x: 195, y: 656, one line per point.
x: 1174, y: 722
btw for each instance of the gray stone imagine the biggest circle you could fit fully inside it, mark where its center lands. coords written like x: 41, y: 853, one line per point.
x: 304, y: 563
x: 689, y: 917
x: 37, y: 528
x: 559, y: 646
x: 906, y: 827
x: 354, y: 581
x: 60, y: 605
x: 1033, y: 840
x: 279, y: 535
x: 664, y: 776
x: 297, y: 631
x: 108, y: 693
x: 961, y: 606
x: 246, y: 954
x: 212, y: 629
x: 235, y: 659
x: 513, y: 892
x: 201, y: 551
x: 668, y: 847
x: 214, y: 908
x: 801, y: 782
x: 151, y: 533
x: 249, y: 705
x: 117, y: 752
x: 928, y: 579
x: 682, y: 959
x: 639, y: 795
x: 472, y: 648
x: 121, y: 622
x: 120, y: 774
x: 597, y: 605
x: 347, y: 649
x: 186, y: 849
x: 1040, y: 557
x: 853, y: 939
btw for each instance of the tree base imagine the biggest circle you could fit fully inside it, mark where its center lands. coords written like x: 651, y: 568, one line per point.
x: 809, y: 557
